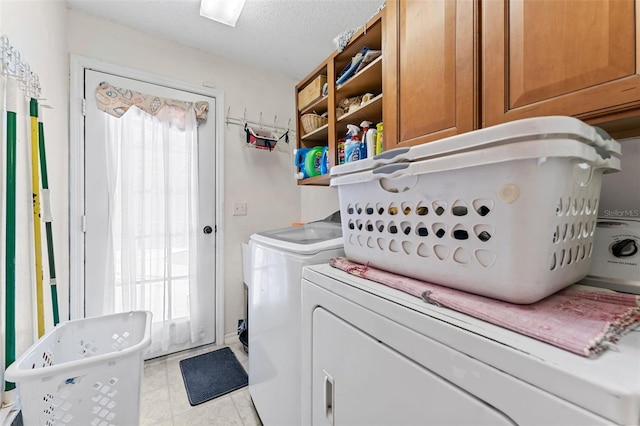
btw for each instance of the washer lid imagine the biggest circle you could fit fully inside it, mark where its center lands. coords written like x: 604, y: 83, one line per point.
x: 309, y: 238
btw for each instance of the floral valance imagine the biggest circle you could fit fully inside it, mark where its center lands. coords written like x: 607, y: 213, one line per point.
x: 116, y: 101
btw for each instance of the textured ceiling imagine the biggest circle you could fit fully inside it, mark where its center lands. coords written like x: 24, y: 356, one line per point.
x: 287, y: 36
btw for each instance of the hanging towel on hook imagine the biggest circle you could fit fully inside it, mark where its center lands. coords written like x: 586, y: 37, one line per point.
x: 285, y: 135
x: 260, y: 138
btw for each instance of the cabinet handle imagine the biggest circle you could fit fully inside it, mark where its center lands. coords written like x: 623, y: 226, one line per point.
x: 329, y: 396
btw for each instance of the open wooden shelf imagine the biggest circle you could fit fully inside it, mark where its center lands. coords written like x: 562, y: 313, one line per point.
x: 370, y: 36
x: 316, y: 180
x: 367, y: 80
x: 320, y: 106
x: 318, y: 135
x: 372, y: 111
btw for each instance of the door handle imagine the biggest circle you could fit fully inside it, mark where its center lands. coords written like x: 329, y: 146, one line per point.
x: 207, y: 229
x: 329, y: 397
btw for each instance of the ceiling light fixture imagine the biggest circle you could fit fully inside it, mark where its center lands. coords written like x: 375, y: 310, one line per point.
x: 224, y: 11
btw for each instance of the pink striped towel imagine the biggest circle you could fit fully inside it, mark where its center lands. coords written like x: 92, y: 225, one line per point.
x: 583, y: 322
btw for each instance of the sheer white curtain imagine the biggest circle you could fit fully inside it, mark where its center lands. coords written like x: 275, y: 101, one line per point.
x: 152, y: 168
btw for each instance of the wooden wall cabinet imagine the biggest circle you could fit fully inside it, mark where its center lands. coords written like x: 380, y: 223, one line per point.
x: 367, y: 80
x: 453, y: 66
x: 429, y: 70
x: 560, y: 57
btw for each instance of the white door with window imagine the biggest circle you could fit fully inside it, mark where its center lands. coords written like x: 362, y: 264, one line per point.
x: 149, y: 207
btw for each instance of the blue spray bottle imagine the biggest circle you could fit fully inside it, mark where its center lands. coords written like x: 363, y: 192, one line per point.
x: 352, y: 144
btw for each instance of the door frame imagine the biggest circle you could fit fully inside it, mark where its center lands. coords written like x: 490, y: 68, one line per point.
x: 76, y: 178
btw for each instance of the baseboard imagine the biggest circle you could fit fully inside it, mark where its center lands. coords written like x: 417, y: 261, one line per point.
x: 231, y: 338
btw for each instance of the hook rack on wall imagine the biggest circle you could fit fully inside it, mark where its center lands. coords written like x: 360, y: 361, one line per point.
x: 273, y: 127
x: 259, y: 134
x: 11, y: 64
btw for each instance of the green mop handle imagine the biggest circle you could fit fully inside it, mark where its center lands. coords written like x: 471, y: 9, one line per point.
x: 11, y: 93
x: 47, y: 217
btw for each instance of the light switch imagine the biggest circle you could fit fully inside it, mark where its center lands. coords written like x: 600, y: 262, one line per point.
x: 239, y: 209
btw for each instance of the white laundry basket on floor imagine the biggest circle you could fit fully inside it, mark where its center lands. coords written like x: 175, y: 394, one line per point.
x: 84, y: 372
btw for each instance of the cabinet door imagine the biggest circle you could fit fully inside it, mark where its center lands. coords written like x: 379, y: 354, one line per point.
x: 559, y: 57
x: 358, y: 380
x: 428, y: 70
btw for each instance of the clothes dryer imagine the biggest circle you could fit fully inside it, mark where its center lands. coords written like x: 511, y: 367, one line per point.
x: 377, y: 356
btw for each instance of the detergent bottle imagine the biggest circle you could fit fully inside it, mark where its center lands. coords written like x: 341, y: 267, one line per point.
x: 367, y: 147
x: 352, y: 144
x: 312, y: 161
x: 379, y: 139
x: 372, y: 136
x: 324, y: 163
x: 299, y: 157
x: 340, y: 147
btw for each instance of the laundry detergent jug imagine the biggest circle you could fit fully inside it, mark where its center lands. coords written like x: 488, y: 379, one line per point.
x: 324, y: 163
x: 312, y: 161
x: 299, y: 161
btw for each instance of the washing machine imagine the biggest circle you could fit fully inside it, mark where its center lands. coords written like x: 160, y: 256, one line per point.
x: 374, y: 355
x: 277, y: 258
x: 616, y: 255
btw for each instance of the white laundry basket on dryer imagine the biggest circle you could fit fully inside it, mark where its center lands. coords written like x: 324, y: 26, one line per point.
x: 507, y: 212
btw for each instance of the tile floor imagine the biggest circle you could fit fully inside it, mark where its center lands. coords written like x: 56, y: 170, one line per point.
x: 164, y: 399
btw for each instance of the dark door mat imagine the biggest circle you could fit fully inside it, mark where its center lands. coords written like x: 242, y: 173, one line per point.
x: 211, y: 375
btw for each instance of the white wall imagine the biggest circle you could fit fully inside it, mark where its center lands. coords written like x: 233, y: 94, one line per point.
x: 38, y: 30
x: 318, y: 202
x: 262, y: 179
x: 45, y: 32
